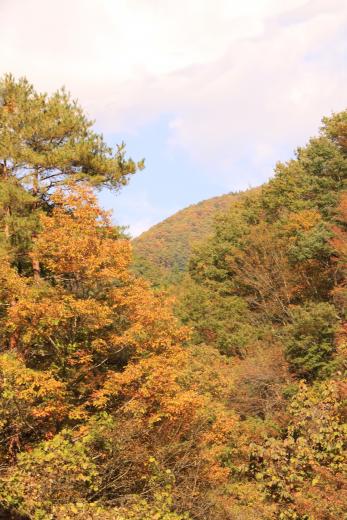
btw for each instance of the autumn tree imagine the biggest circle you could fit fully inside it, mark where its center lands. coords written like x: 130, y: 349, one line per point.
x: 96, y: 370
x: 46, y: 141
x: 304, y: 472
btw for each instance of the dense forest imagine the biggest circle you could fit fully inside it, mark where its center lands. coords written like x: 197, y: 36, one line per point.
x: 221, y: 397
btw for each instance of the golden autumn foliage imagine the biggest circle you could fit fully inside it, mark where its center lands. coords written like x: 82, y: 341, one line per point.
x: 77, y: 243
x: 33, y: 404
x: 226, y: 401
x: 89, y: 338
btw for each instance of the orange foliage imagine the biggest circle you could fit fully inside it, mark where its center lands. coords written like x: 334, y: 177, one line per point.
x: 77, y: 242
x: 33, y: 403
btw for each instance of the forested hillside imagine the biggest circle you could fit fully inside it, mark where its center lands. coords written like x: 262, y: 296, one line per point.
x: 161, y: 254
x: 226, y: 402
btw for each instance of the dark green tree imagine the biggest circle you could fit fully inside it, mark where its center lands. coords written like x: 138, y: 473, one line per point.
x: 48, y: 140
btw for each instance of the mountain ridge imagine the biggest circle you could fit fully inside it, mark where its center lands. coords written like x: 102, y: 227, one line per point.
x: 161, y: 253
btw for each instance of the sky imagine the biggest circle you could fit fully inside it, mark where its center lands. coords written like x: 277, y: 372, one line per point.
x: 212, y: 93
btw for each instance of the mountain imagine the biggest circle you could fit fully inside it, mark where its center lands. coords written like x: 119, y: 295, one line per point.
x: 161, y: 254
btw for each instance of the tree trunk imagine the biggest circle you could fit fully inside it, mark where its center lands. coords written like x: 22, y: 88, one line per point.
x: 36, y: 269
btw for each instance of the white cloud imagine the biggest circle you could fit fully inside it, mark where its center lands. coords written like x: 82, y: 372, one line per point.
x: 240, y: 79
x: 136, y: 210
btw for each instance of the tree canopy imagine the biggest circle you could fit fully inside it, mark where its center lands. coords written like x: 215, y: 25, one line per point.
x: 222, y: 398
x: 47, y: 140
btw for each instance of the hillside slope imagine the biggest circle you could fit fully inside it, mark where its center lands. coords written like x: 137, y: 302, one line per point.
x: 162, y: 252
